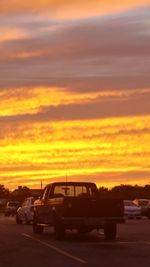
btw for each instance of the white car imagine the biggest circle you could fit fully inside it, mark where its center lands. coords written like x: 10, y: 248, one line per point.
x: 25, y: 212
x: 11, y: 208
x: 131, y: 210
x: 145, y: 206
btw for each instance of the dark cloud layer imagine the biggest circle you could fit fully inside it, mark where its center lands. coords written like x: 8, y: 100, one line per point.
x: 110, y: 52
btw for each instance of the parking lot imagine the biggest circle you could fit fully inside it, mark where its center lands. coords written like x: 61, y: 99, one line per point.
x: 19, y: 247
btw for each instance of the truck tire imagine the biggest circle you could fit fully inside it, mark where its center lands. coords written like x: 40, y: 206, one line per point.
x: 18, y: 221
x: 59, y: 230
x: 83, y: 230
x: 27, y: 221
x: 37, y: 229
x: 110, y: 231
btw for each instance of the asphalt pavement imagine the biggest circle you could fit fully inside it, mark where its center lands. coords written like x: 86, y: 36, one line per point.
x: 19, y: 247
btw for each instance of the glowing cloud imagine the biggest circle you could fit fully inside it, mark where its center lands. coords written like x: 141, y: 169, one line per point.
x: 68, y: 8
x: 10, y: 34
x: 36, y: 100
x: 33, y: 151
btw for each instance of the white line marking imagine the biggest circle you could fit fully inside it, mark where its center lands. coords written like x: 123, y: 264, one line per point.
x: 147, y: 243
x: 112, y: 243
x: 101, y: 233
x: 60, y: 251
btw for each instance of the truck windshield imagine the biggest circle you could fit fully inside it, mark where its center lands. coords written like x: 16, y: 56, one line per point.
x: 75, y: 190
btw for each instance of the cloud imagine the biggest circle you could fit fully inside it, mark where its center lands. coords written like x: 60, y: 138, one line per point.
x: 104, y: 150
x: 11, y: 33
x: 91, y: 52
x: 46, y: 104
x: 68, y: 8
x: 107, y: 179
x: 74, y: 91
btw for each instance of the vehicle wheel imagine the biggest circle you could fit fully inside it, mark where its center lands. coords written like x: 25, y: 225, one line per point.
x: 37, y: 229
x: 110, y: 231
x: 83, y: 230
x: 26, y: 220
x: 59, y: 230
x: 18, y: 221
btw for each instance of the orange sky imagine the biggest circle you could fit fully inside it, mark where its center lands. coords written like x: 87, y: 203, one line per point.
x: 74, y: 92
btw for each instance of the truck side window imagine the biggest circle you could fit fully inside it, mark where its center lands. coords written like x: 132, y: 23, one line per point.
x: 80, y: 190
x: 46, y: 193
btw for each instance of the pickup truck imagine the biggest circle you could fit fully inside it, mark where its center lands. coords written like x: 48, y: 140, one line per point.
x: 76, y: 205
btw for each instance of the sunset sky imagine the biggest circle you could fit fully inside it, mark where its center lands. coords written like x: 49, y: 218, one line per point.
x: 74, y: 92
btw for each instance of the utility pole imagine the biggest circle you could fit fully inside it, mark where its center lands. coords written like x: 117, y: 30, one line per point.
x: 41, y: 185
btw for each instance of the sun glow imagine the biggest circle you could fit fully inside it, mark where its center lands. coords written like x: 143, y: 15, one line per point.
x: 48, y: 150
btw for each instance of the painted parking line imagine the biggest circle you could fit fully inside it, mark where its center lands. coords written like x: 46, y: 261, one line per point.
x: 60, y: 251
x: 115, y: 243
x: 147, y: 243
x: 130, y: 243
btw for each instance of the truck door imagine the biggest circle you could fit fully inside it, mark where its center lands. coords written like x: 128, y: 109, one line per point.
x: 43, y: 208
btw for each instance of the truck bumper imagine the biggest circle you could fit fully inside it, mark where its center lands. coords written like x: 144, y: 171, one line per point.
x: 91, y: 222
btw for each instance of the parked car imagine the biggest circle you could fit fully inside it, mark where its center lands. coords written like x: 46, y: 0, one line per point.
x: 76, y: 205
x: 145, y: 206
x: 131, y: 210
x: 25, y: 211
x: 11, y: 208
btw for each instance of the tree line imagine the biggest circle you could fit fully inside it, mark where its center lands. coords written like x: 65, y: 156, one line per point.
x: 4, y: 192
x: 124, y: 191
x: 120, y: 191
x: 22, y: 193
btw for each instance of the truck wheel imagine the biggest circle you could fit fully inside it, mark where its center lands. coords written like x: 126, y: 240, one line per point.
x: 110, y: 231
x: 83, y: 230
x: 37, y: 229
x: 59, y: 230
x: 18, y: 221
x: 26, y: 220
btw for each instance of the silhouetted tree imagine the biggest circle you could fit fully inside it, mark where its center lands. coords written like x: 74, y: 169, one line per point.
x: 4, y: 192
x: 126, y: 191
x: 21, y: 193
